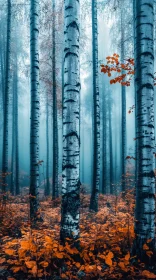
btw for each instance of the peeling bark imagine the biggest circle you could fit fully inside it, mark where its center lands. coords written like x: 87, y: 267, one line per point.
x: 104, y: 191
x: 47, y: 187
x: 144, y: 88
x: 71, y: 124
x: 123, y: 115
x: 55, y: 189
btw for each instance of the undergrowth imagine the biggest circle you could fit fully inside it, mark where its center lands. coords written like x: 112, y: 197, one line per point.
x: 105, y: 241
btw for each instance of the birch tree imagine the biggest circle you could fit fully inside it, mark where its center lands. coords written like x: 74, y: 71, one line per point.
x: 110, y: 144
x: 55, y: 121
x: 71, y: 123
x: 15, y: 188
x: 34, y: 124
x: 144, y: 89
x: 47, y: 188
x: 96, y: 113
x: 123, y: 106
x: 104, y: 123
x: 6, y: 101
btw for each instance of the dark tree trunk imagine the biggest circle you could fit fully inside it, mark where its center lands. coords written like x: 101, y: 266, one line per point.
x: 6, y: 103
x: 96, y: 113
x: 35, y: 110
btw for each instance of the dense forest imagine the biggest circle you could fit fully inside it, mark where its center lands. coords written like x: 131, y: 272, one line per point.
x: 77, y: 139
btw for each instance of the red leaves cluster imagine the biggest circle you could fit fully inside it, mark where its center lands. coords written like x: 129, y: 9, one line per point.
x: 126, y: 69
x: 105, y: 242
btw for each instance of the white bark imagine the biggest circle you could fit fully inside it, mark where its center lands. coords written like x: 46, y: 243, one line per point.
x: 71, y: 112
x: 144, y: 87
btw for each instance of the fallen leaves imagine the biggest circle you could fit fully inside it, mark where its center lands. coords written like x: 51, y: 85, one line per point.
x: 30, y: 264
x: 148, y: 274
x: 104, y: 237
x: 108, y: 258
x: 10, y: 252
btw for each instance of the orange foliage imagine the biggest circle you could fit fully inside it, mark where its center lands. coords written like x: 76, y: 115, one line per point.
x: 114, y: 65
x: 105, y: 242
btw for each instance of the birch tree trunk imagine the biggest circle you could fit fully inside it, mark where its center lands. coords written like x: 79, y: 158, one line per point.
x: 55, y: 192
x: 144, y: 88
x: 6, y: 101
x: 35, y: 106
x: 12, y: 186
x: 47, y: 187
x: 71, y: 124
x: 96, y: 113
x: 17, y: 188
x: 110, y: 144
x: 104, y: 143
x: 123, y: 106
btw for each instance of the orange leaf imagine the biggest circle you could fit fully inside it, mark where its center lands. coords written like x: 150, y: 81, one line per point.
x: 78, y: 265
x: 90, y: 268
x: 148, y: 274
x: 2, y: 260
x: 34, y: 270
x: 59, y: 255
x: 48, y: 239
x: 108, y: 258
x: 63, y: 276
x: 30, y: 264
x: 99, y: 267
x: 44, y: 264
x: 149, y: 253
x: 15, y: 269
x: 25, y: 244
x: 10, y: 252
x: 145, y: 247
x: 127, y: 257
x: 149, y: 240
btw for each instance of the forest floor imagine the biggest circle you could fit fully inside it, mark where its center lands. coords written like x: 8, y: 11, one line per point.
x: 106, y: 239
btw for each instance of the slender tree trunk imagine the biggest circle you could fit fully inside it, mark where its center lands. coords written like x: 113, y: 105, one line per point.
x: 71, y: 124
x: 12, y: 186
x: 35, y: 107
x: 55, y: 190
x: 2, y: 91
x: 83, y: 151
x: 144, y: 88
x: 47, y: 187
x: 6, y: 102
x: 96, y: 122
x: 17, y: 189
x: 123, y: 106
x: 110, y: 145
x: 104, y: 143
